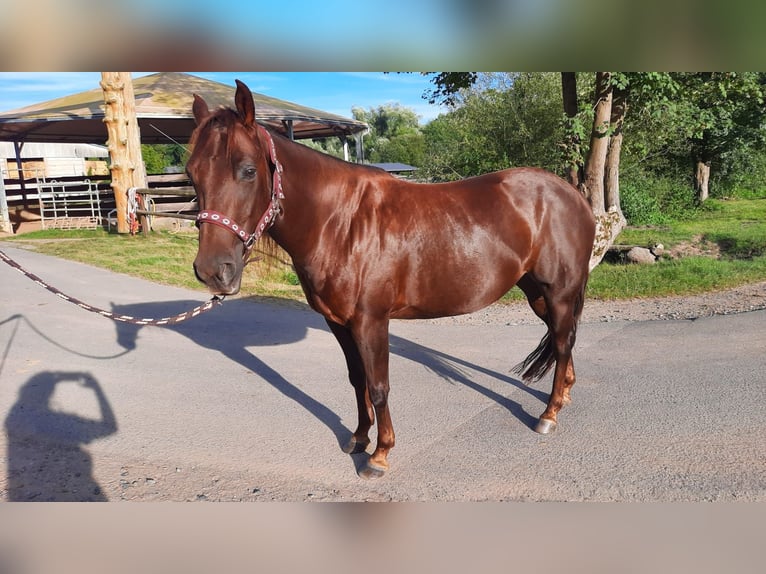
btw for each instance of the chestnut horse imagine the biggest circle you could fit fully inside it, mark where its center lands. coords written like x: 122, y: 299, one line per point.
x: 368, y: 247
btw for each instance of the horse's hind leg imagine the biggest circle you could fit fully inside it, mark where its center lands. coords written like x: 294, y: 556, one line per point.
x: 560, y: 312
x: 366, y: 416
x: 534, y: 292
x: 564, y: 309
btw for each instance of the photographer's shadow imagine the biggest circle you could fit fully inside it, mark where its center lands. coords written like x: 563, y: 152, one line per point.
x: 47, y: 460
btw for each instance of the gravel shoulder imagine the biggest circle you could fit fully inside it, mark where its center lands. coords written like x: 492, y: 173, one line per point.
x: 741, y: 299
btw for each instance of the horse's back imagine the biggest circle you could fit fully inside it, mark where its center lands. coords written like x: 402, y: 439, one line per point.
x: 516, y: 204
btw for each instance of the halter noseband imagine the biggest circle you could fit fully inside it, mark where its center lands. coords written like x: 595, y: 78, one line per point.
x: 268, y: 217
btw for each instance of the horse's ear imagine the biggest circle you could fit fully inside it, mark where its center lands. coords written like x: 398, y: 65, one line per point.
x: 199, y: 109
x: 245, y: 105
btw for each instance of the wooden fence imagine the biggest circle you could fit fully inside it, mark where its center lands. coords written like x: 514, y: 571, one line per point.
x: 78, y: 201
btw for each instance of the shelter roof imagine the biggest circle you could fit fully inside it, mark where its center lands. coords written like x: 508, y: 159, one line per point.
x: 395, y: 166
x: 164, y: 110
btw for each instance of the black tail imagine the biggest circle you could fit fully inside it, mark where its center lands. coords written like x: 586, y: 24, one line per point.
x: 540, y: 361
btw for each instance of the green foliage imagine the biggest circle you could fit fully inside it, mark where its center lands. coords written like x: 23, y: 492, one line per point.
x: 159, y: 156
x: 290, y: 278
x: 447, y: 86
x: 510, y: 121
x: 394, y: 136
x: 639, y: 207
x: 407, y: 148
x: 740, y: 173
x: 652, y: 200
x: 330, y: 146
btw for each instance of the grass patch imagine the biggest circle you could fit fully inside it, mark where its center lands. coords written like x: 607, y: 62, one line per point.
x: 163, y: 257
x: 732, y: 219
x: 737, y: 228
x: 687, y: 276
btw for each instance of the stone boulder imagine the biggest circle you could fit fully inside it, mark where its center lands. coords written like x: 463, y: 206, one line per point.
x: 640, y: 255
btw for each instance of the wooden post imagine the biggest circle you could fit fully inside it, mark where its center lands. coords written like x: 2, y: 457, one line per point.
x: 5, y: 219
x: 124, y: 141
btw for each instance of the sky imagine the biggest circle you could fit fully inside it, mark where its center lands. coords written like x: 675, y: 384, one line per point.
x: 334, y: 92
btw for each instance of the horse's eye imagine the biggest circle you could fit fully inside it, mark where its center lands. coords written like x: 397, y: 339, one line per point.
x: 248, y: 172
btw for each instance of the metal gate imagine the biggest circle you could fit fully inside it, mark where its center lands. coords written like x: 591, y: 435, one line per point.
x: 69, y: 205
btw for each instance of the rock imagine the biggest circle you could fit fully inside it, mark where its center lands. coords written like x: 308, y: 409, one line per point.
x: 640, y: 255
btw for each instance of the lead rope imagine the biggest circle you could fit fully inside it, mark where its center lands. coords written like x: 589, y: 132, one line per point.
x: 216, y: 300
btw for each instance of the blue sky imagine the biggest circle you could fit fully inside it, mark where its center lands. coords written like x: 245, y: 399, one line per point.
x: 334, y: 92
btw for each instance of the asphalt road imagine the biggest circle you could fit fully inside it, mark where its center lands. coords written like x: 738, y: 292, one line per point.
x: 251, y: 402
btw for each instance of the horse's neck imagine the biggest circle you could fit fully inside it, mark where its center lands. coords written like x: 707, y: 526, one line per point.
x: 308, y: 198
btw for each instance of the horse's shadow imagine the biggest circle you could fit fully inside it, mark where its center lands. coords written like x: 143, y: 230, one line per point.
x: 241, y: 323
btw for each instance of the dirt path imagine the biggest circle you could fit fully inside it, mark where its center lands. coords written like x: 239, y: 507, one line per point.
x: 740, y: 299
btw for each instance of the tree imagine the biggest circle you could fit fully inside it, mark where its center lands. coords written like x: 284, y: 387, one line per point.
x: 395, y: 135
x: 600, y: 185
x: 722, y: 112
x: 159, y: 156
x: 505, y: 120
x: 573, y: 131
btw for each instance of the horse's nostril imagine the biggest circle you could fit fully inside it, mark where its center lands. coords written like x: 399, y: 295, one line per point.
x: 225, y: 273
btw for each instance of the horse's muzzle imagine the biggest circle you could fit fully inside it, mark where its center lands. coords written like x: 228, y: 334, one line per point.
x: 222, y: 276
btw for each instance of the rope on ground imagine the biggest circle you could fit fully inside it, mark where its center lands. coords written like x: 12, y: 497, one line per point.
x: 216, y: 300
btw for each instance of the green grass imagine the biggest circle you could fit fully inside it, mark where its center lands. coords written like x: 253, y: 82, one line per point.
x: 690, y: 275
x: 716, y: 220
x: 736, y: 228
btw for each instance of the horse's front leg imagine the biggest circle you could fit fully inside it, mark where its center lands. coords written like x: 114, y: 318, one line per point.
x: 371, y: 336
x: 366, y: 416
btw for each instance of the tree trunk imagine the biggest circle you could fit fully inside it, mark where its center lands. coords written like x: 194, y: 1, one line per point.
x: 608, y: 226
x: 702, y: 179
x: 593, y: 185
x: 572, y: 144
x: 609, y: 222
x: 124, y: 141
x: 612, y: 170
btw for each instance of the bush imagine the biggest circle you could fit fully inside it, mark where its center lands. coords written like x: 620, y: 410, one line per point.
x: 655, y: 201
x: 739, y: 175
x: 639, y: 207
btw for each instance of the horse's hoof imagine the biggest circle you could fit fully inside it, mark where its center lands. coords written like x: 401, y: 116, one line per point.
x: 545, y: 426
x: 372, y: 471
x: 355, y: 446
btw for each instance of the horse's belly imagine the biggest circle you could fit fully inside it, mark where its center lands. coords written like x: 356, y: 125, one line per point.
x: 443, y: 295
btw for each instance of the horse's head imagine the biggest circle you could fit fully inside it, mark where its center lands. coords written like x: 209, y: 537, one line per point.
x: 231, y: 174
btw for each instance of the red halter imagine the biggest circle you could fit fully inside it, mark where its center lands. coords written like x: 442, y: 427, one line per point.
x: 268, y: 217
